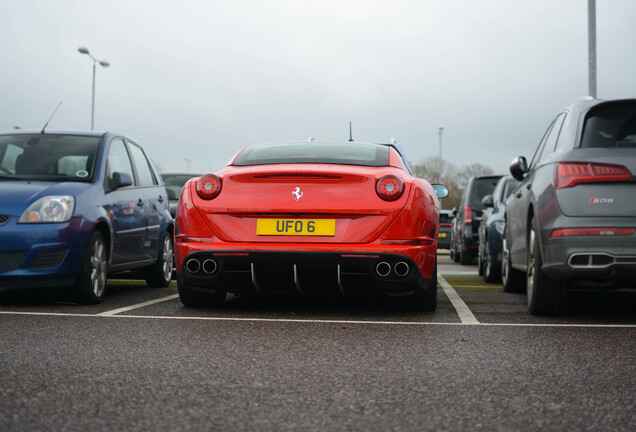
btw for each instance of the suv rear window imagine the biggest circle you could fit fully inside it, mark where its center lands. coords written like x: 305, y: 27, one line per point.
x: 610, y: 125
x: 315, y: 152
x: 481, y: 187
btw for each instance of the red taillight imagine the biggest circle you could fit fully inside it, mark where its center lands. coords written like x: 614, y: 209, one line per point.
x: 468, y: 215
x: 208, y: 186
x: 586, y: 232
x: 390, y: 187
x: 569, y: 174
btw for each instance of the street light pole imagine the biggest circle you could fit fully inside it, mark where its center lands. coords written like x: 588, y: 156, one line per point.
x: 441, y: 129
x: 591, y: 46
x: 103, y: 63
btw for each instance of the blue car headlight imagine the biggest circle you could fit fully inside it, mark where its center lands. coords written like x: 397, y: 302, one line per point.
x: 58, y: 208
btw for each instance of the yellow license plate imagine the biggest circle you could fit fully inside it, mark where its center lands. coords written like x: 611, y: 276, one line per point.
x: 296, y: 227
x: 442, y: 234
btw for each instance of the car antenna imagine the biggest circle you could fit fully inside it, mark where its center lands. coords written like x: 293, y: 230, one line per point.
x: 54, y: 111
x: 350, y: 133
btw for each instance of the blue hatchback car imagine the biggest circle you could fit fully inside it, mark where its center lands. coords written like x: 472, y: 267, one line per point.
x: 78, y: 206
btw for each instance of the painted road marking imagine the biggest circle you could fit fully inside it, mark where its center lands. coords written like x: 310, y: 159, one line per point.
x: 138, y: 305
x: 456, y: 273
x: 315, y: 321
x: 465, y: 315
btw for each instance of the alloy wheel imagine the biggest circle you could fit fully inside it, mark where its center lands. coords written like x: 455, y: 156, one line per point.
x: 98, y: 268
x: 531, y: 264
x: 168, y: 257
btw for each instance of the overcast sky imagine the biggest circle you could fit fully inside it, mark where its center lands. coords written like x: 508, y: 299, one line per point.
x: 202, y: 79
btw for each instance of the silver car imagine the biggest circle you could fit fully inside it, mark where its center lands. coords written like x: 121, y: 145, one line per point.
x: 571, y: 221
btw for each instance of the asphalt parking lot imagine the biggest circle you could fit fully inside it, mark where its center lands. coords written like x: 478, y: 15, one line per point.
x: 141, y: 361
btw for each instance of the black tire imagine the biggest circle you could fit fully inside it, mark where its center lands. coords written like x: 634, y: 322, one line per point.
x: 513, y: 280
x: 90, y: 285
x: 492, y: 271
x: 465, y: 257
x: 545, y: 296
x: 160, y: 273
x: 480, y: 263
x: 425, y: 299
x: 192, y: 298
x: 456, y: 255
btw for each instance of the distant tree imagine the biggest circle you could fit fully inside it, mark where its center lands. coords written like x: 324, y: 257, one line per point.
x: 440, y: 171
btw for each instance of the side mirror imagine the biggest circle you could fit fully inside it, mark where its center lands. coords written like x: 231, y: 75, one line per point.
x: 455, y: 210
x: 519, y: 168
x: 121, y: 180
x: 488, y: 201
x: 440, y: 190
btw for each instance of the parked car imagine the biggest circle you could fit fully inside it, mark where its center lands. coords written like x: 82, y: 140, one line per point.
x: 466, y: 229
x: 454, y: 253
x: 78, y: 206
x: 571, y: 220
x: 445, y: 225
x: 174, y: 181
x: 343, y: 218
x: 491, y: 228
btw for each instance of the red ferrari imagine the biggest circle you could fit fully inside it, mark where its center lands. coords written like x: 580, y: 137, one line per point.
x: 342, y: 218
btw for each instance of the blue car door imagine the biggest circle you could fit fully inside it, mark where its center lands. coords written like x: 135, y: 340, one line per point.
x: 155, y: 200
x: 125, y: 206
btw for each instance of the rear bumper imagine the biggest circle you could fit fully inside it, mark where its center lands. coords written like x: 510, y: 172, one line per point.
x: 293, y: 272
x: 444, y: 239
x: 597, y: 258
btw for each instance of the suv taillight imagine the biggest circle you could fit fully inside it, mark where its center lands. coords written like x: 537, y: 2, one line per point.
x: 468, y: 215
x: 569, y: 174
x: 595, y: 232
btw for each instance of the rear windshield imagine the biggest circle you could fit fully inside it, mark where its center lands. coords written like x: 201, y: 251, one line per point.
x: 610, y: 125
x: 481, y: 187
x: 445, y: 218
x: 48, y: 157
x: 315, y: 152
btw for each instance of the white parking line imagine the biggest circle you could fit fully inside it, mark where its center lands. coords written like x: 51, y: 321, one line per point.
x: 459, y: 273
x: 315, y: 321
x: 463, y: 311
x: 137, y: 306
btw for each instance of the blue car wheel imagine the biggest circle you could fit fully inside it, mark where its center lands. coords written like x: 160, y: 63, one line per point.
x: 91, y: 283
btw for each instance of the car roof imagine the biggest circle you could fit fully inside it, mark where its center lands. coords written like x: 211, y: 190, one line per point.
x: 584, y: 104
x: 74, y: 132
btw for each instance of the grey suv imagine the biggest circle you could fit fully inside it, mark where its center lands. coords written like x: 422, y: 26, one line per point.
x: 571, y: 221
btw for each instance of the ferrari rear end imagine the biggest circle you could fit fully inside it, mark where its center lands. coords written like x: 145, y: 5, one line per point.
x: 324, y: 218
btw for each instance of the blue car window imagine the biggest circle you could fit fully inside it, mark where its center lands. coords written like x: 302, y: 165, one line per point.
x: 144, y: 171
x: 118, y: 159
